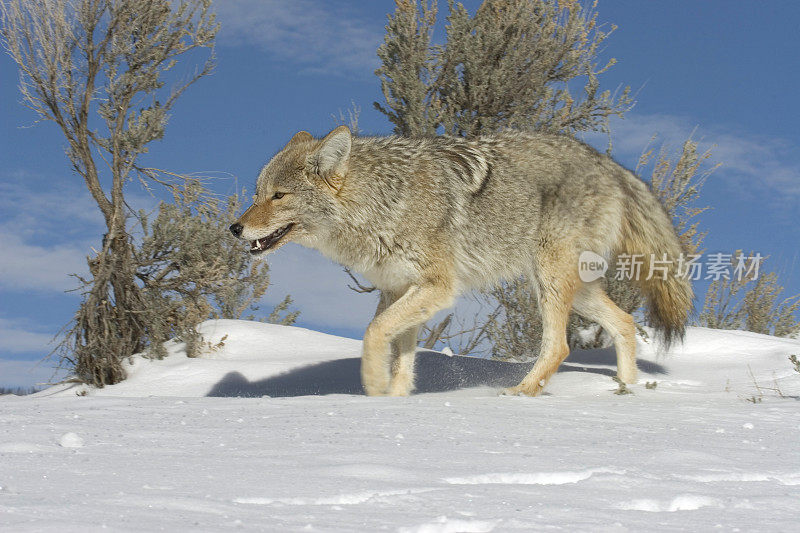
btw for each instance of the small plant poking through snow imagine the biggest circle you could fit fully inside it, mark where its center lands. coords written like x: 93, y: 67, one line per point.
x: 213, y: 348
x: 757, y: 398
x: 795, y: 362
x: 622, y: 388
x: 651, y: 385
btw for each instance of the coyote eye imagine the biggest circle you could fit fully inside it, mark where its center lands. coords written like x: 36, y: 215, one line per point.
x: 278, y: 195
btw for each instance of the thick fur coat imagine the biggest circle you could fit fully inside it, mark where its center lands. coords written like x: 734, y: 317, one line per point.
x: 427, y: 219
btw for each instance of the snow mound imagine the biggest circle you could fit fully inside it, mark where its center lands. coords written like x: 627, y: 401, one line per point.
x: 70, y: 440
x: 254, y: 359
x: 237, y: 357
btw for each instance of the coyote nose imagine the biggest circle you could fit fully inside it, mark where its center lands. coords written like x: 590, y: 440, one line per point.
x: 236, y: 229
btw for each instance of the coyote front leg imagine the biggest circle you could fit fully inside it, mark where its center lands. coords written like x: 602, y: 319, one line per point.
x: 418, y: 304
x: 404, y: 349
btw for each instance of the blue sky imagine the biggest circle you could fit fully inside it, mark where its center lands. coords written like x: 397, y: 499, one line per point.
x: 726, y: 69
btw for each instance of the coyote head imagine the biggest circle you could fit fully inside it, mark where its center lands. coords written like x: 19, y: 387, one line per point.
x: 296, y: 192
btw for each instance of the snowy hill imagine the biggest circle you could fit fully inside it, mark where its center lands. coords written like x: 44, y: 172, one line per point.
x: 252, y: 359
x: 269, y: 431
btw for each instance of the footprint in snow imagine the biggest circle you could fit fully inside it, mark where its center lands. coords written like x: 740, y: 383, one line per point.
x: 684, y: 502
x: 70, y: 440
x: 789, y: 479
x: 532, y: 478
x: 448, y: 525
x: 340, y: 499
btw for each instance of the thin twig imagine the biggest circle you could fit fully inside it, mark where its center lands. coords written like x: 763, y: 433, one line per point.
x: 359, y: 288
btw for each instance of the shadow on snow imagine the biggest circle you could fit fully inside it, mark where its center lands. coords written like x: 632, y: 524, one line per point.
x: 435, y: 372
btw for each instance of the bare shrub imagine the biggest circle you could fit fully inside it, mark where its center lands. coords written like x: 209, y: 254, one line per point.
x: 749, y: 298
x: 99, y: 70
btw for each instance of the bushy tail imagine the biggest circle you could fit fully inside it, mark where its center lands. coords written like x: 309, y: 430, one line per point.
x: 648, y: 234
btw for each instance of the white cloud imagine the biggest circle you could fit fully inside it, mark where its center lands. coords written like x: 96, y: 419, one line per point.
x: 24, y: 265
x: 41, y: 228
x: 750, y: 163
x: 27, y: 373
x: 16, y: 338
x: 316, y: 35
x: 759, y: 161
x: 34, y: 206
x: 46, y: 230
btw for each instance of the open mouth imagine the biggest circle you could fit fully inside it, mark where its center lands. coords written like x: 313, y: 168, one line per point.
x: 265, y: 243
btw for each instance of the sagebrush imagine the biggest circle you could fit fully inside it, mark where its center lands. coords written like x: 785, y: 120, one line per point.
x: 105, y: 72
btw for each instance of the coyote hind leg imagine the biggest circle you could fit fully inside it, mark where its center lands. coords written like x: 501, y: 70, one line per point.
x: 593, y: 303
x: 555, y: 300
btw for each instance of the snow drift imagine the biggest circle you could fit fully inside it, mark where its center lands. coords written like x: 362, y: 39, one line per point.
x: 253, y: 359
x: 269, y: 431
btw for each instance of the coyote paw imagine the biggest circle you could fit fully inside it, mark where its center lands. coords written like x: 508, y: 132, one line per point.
x: 401, y: 384
x: 375, y: 385
x: 399, y: 390
x: 375, y: 390
x: 375, y: 380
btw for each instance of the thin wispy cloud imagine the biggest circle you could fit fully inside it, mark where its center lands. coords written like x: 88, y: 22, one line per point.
x: 47, y: 229
x: 16, y: 337
x: 316, y: 36
x: 27, y: 373
x: 750, y: 163
x: 35, y: 206
x: 758, y: 162
x: 28, y: 266
x: 43, y: 232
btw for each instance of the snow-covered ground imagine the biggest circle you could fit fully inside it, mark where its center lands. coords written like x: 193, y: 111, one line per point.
x: 269, y: 432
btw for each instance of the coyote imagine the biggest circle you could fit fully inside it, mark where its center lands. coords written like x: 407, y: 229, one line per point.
x: 425, y: 219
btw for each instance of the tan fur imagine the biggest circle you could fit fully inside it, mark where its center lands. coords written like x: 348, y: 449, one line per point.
x: 427, y: 219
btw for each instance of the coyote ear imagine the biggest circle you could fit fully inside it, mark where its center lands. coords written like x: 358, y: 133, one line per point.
x: 300, y: 136
x: 330, y: 159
